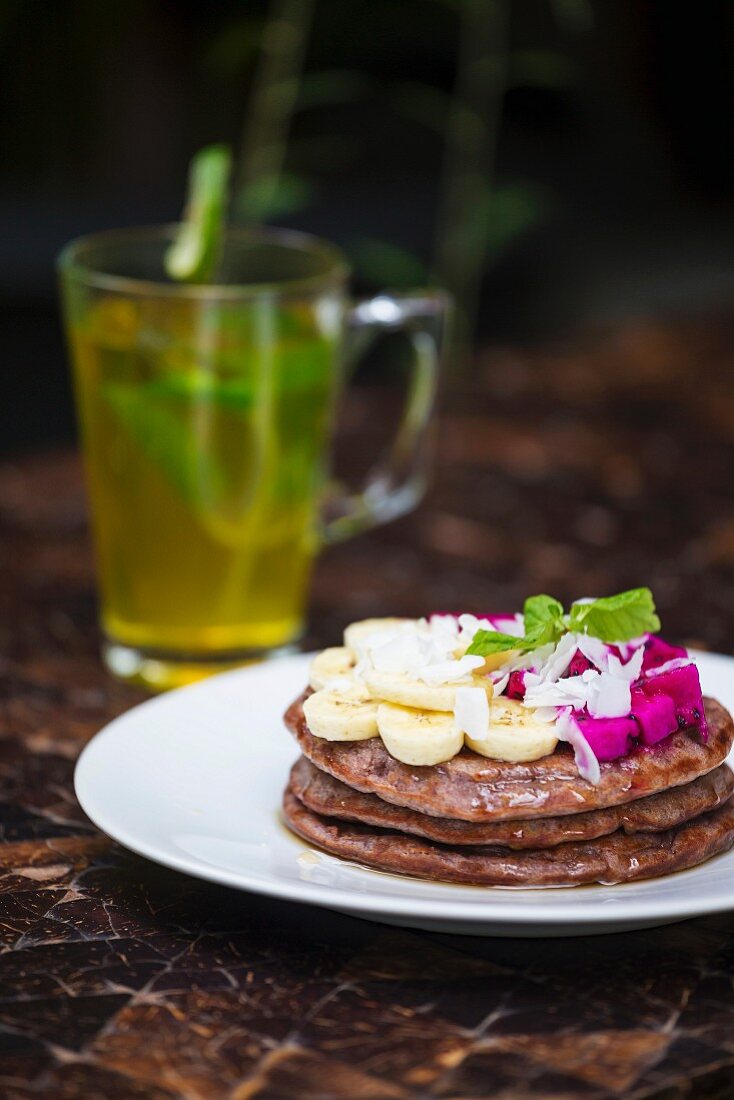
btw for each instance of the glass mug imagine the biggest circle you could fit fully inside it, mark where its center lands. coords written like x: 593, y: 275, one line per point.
x: 206, y: 414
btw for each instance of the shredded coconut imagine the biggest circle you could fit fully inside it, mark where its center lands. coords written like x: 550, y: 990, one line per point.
x: 568, y: 730
x: 471, y: 711
x: 448, y: 672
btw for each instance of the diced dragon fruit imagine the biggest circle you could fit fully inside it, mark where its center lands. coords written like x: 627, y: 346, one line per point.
x: 579, y: 664
x: 608, y: 738
x: 654, y: 714
x: 516, y: 685
x: 680, y: 683
x: 659, y: 652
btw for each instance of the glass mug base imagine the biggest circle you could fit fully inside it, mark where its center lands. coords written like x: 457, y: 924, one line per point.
x: 158, y: 670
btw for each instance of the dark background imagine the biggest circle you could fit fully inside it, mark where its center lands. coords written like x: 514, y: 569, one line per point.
x: 625, y: 137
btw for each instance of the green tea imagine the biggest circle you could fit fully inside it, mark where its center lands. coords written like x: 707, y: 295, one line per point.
x: 206, y: 428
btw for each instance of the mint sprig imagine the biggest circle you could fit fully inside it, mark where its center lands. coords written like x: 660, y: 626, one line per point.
x: 611, y: 619
x: 616, y: 618
x: 486, y: 642
x: 544, y: 623
x: 193, y: 255
x: 543, y: 619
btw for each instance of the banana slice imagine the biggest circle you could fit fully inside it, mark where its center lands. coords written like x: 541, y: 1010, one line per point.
x: 331, y: 664
x: 356, y: 634
x: 351, y: 688
x: 418, y: 737
x: 514, y: 733
x: 496, y: 660
x: 406, y: 691
x: 336, y: 717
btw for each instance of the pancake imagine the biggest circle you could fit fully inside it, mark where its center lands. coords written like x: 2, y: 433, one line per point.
x: 473, y: 788
x: 612, y: 859
x: 326, y: 796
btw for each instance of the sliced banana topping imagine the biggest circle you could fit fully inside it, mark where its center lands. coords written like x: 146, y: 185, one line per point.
x: 411, y: 683
x: 351, y: 688
x: 496, y: 660
x: 515, y: 733
x: 332, y: 664
x: 336, y: 717
x: 408, y: 691
x: 418, y: 737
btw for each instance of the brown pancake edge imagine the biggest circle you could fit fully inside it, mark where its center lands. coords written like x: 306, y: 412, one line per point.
x: 473, y: 788
x: 328, y: 797
x: 613, y: 859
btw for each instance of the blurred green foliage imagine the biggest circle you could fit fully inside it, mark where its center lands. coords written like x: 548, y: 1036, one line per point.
x: 381, y: 261
x: 478, y: 218
x: 359, y: 92
x: 275, y: 196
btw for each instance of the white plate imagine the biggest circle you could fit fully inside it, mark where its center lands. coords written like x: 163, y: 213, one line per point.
x: 193, y: 780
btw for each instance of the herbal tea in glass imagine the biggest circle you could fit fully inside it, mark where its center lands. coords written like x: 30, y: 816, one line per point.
x: 206, y: 414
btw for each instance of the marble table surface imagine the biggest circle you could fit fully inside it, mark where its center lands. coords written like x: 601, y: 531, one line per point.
x: 574, y: 470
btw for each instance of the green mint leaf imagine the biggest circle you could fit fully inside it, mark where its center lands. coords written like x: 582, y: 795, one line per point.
x: 195, y: 250
x: 541, y: 612
x: 611, y: 619
x: 543, y: 633
x: 543, y: 621
x: 616, y: 618
x: 493, y: 641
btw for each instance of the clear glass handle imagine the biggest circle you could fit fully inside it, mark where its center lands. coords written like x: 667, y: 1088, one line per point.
x: 397, y: 481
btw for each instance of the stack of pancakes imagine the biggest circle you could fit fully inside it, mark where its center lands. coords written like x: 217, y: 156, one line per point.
x: 488, y: 822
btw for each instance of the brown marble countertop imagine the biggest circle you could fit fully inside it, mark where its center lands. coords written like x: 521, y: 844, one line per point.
x: 577, y: 471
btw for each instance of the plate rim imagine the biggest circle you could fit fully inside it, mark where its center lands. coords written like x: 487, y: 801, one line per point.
x: 589, y: 910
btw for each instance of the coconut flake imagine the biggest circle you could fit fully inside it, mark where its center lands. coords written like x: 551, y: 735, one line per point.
x: 574, y: 691
x: 340, y: 684
x: 508, y: 624
x: 610, y: 697
x: 677, y: 662
x: 568, y: 730
x: 443, y: 633
x: 401, y: 653
x: 545, y: 714
x: 444, y: 622
x: 471, y: 711
x: 603, y: 695
x: 534, y: 660
x: 448, y: 672
x: 500, y: 683
x: 554, y: 667
x: 627, y: 648
x: 379, y: 637
x: 593, y: 649
x: 629, y: 671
